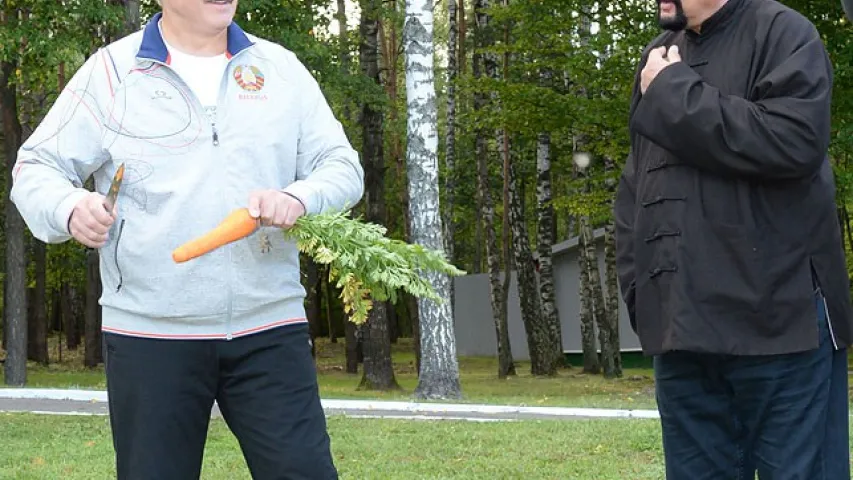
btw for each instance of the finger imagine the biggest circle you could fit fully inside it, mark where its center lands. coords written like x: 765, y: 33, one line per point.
x: 672, y: 55
x: 255, y: 205
x: 99, y: 214
x: 267, y: 209
x: 91, y: 239
x: 657, y: 53
x: 97, y: 220
x: 293, y: 214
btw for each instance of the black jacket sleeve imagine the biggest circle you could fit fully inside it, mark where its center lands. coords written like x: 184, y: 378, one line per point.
x: 783, y: 134
x: 624, y: 212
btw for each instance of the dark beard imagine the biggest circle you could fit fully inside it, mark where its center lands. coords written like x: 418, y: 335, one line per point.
x: 675, y: 23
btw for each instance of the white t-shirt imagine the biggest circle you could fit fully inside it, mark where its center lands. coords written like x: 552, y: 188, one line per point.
x: 202, y: 74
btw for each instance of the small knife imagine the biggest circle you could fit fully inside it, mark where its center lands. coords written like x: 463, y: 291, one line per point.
x: 112, y: 194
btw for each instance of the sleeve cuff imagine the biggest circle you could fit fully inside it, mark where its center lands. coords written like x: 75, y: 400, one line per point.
x: 658, y: 98
x: 303, y: 192
x: 62, y: 214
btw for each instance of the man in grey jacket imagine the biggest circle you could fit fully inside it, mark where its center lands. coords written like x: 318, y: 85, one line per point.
x: 205, y: 118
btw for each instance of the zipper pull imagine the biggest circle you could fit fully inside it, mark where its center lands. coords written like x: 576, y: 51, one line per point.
x: 215, y: 135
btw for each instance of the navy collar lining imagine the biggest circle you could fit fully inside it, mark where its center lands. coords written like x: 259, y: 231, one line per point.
x: 154, y: 48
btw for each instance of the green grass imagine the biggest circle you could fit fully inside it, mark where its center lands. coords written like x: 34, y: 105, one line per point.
x: 39, y: 447
x: 478, y: 376
x: 635, y: 390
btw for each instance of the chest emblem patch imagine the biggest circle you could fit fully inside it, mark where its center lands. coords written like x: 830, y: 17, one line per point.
x: 249, y: 78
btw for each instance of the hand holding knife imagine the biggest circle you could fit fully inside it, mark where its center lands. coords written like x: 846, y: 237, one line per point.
x: 92, y: 217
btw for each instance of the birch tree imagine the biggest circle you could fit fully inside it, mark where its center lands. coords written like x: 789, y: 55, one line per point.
x: 591, y: 362
x: 450, y: 138
x: 546, y: 237
x: 439, y: 370
x: 485, y: 63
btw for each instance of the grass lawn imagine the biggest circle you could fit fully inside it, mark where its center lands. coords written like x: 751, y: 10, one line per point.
x: 42, y: 446
x: 478, y: 375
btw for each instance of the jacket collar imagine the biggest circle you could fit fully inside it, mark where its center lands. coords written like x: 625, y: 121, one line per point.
x: 719, y: 20
x: 154, y: 48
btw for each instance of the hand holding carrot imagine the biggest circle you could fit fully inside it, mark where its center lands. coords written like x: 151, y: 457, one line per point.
x: 266, y: 207
x: 275, y: 208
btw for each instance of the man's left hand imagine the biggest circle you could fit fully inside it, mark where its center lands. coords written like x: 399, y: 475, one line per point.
x: 659, y: 58
x: 275, y: 208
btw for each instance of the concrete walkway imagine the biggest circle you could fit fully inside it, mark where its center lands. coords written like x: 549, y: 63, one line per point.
x: 94, y: 402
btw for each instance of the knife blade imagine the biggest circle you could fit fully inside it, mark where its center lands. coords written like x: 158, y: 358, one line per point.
x: 112, y: 194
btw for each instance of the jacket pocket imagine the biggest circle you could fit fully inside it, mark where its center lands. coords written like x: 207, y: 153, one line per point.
x: 116, y: 259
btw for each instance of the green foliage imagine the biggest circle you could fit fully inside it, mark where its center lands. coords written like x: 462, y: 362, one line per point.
x: 365, y: 263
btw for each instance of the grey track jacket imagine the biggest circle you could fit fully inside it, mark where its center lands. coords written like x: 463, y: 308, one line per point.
x: 185, y: 171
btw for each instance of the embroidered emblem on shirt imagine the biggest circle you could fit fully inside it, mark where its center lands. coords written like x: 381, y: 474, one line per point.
x: 249, y: 78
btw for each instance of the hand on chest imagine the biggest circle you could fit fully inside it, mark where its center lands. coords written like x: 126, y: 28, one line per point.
x: 724, y: 63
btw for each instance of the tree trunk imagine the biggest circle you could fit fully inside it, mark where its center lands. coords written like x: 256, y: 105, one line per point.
x: 70, y: 318
x: 546, y: 239
x: 327, y: 304
x: 312, y: 299
x: 54, y: 314
x: 378, y: 366
x: 484, y: 63
x: 846, y: 226
x: 352, y: 347
x: 344, y: 53
x: 599, y: 308
x: 612, y: 301
x: 38, y: 316
x: 131, y: 16
x: 92, y: 331
x: 439, y: 373
x: 591, y: 363
x: 390, y: 55
x: 498, y: 292
x: 393, y: 324
x: 15, y: 281
x: 545, y: 354
x: 450, y: 137
x: 415, y: 319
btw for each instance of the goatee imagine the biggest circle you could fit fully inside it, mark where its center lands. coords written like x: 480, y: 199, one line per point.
x: 675, y: 22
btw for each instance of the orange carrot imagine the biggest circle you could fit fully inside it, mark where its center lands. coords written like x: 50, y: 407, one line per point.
x: 238, y: 224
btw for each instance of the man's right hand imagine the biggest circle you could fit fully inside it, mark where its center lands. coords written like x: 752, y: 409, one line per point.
x: 90, y: 221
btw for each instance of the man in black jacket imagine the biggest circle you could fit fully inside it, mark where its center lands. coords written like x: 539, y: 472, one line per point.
x: 729, y: 251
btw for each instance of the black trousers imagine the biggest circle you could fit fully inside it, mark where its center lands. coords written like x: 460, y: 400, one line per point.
x: 784, y: 416
x: 161, y: 393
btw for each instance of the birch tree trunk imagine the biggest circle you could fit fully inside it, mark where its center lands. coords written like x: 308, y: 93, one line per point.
x: 612, y: 301
x: 499, y: 292
x: 450, y: 137
x: 344, y: 53
x: 131, y: 16
x: 439, y: 372
x: 591, y: 363
x: 546, y: 238
x: 599, y: 308
x: 390, y: 57
x: 545, y: 356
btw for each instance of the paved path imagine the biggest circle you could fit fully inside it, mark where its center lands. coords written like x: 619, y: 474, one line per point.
x: 93, y: 402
